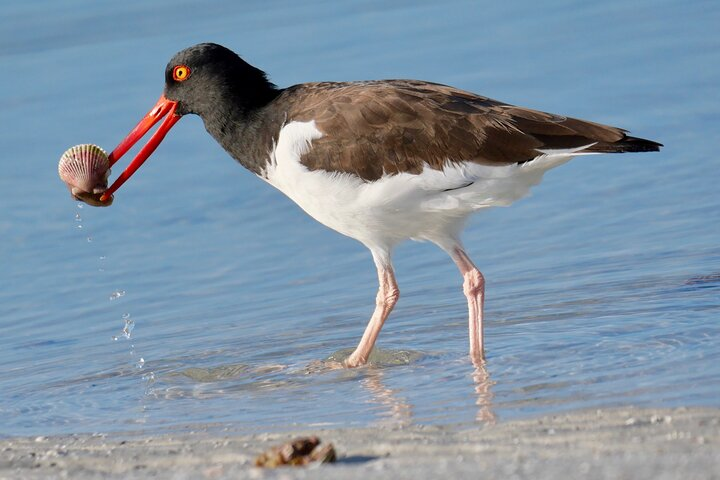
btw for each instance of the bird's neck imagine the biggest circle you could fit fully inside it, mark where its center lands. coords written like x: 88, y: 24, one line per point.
x: 246, y: 130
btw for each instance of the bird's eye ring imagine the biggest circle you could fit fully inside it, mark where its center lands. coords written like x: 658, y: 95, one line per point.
x: 181, y: 73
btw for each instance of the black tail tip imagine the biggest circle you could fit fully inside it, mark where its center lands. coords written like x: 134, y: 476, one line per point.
x: 635, y: 144
x: 626, y: 144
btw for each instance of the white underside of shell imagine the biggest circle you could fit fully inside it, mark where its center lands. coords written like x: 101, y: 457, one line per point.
x: 432, y: 205
x: 84, y: 169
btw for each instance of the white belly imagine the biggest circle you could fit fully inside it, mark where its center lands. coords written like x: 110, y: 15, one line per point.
x: 398, y: 207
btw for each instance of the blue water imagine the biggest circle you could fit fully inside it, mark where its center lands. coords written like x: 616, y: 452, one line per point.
x: 603, y: 288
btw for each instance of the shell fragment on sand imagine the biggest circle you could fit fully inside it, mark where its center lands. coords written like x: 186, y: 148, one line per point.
x: 298, y: 452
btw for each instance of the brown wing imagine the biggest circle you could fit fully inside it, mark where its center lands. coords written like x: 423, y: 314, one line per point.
x: 385, y: 127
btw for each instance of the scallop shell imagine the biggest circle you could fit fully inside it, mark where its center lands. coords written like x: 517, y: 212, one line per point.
x: 85, y: 169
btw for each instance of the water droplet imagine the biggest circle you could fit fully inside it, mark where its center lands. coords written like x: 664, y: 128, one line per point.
x: 89, y: 239
x: 79, y: 226
x: 79, y: 205
x: 128, y: 328
x: 117, y: 294
x: 102, y: 257
x: 78, y: 218
x: 140, y: 363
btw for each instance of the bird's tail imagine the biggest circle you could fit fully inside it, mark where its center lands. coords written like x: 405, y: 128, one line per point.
x: 625, y: 144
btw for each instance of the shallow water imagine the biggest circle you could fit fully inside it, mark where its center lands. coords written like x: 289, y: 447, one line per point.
x: 603, y: 288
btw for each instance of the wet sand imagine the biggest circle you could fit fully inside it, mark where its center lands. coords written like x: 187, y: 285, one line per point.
x: 630, y: 443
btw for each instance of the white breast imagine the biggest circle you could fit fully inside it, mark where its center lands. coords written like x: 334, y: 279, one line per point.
x: 431, y: 205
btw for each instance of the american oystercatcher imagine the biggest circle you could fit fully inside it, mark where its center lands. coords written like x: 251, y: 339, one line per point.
x: 379, y: 161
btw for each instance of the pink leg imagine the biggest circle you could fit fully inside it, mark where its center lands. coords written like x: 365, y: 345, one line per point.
x: 387, y: 297
x: 474, y: 289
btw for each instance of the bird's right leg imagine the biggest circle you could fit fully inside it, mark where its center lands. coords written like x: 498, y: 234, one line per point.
x: 474, y: 289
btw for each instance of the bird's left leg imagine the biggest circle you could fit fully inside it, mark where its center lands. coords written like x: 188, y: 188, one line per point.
x: 387, y: 297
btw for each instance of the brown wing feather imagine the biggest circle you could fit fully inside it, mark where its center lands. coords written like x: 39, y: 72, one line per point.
x: 385, y: 127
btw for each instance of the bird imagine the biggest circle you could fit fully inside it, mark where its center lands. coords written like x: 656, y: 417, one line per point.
x: 379, y: 161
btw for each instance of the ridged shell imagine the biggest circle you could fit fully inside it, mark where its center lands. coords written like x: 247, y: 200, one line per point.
x: 85, y: 167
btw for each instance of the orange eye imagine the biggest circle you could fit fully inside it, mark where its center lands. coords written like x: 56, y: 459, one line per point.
x: 181, y: 73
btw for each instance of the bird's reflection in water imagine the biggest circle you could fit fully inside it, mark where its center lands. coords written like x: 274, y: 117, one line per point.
x: 483, y: 391
x: 398, y: 412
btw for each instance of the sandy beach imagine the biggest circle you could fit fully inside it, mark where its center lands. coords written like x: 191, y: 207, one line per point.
x: 609, y: 443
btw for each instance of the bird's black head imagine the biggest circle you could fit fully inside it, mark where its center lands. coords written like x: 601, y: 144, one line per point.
x: 208, y: 80
x: 208, y: 77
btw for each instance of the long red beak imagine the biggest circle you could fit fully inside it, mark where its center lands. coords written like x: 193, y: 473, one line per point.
x: 162, y: 107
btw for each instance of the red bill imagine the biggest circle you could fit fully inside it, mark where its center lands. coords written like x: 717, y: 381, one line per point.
x: 164, y: 108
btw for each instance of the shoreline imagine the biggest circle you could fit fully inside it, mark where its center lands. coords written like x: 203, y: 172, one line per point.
x: 628, y: 442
